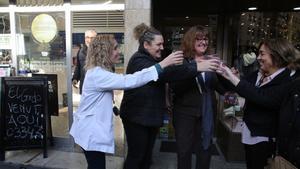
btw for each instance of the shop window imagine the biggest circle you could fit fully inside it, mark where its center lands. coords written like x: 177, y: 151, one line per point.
x: 256, y: 26
x: 78, y: 40
x: 41, y: 48
x: 252, y: 28
x: 5, y: 47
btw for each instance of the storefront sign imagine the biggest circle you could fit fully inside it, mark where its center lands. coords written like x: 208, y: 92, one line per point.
x: 44, y: 28
x: 25, y: 121
x: 5, y: 41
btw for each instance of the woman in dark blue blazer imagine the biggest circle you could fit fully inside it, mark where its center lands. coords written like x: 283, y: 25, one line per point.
x: 264, y: 91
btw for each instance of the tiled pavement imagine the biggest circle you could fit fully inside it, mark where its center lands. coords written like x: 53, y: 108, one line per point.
x: 33, y: 159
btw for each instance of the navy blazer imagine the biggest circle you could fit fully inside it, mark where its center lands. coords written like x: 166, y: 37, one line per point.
x: 263, y: 103
x: 187, y: 99
x: 289, y: 124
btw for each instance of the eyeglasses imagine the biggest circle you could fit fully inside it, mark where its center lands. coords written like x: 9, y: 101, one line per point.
x: 202, y: 39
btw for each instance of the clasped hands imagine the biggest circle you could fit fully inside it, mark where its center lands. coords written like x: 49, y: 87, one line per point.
x: 214, y: 64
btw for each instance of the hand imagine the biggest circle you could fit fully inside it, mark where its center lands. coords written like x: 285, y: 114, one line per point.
x: 224, y: 71
x: 74, y: 83
x: 235, y: 72
x: 173, y: 59
x: 207, y: 65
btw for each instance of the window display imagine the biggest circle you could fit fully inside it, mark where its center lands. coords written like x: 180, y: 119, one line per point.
x: 41, y: 48
x: 5, y: 47
x: 256, y: 26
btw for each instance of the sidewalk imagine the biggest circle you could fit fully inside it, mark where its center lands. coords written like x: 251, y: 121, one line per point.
x: 33, y: 159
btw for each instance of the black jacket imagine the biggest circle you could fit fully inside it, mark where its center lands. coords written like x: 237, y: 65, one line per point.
x: 79, y: 72
x: 289, y: 124
x: 262, y: 104
x: 145, y: 105
x: 187, y: 97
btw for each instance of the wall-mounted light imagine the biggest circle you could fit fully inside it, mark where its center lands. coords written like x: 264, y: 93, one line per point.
x: 297, y: 8
x: 252, y: 8
x: 187, y: 17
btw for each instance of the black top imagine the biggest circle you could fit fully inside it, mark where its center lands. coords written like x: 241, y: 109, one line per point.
x: 79, y: 72
x: 262, y: 103
x: 187, y: 97
x: 289, y: 123
x: 145, y: 105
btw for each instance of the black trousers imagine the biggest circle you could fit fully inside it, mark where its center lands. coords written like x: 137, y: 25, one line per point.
x: 188, y: 139
x: 140, y: 141
x: 258, y: 154
x: 95, y: 159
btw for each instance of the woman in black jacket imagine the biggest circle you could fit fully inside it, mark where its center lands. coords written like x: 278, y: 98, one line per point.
x: 288, y: 138
x: 194, y: 104
x: 264, y: 91
x: 142, y: 108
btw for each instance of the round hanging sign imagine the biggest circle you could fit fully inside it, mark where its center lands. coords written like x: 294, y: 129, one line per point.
x: 44, y: 28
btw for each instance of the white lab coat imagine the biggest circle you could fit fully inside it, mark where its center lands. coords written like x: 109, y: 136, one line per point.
x: 92, y: 127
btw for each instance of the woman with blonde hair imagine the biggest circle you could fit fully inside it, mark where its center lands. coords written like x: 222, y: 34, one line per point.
x: 92, y: 127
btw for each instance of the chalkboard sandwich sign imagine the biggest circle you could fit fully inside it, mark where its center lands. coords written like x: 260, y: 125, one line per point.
x: 24, y: 114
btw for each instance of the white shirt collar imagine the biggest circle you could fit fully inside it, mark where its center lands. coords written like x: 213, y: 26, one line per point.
x: 269, y: 78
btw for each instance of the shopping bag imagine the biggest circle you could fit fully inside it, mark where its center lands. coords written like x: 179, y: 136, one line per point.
x: 279, y: 163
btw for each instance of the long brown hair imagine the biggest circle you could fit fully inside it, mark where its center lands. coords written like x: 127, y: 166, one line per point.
x: 283, y: 53
x: 189, y: 39
x: 100, y: 51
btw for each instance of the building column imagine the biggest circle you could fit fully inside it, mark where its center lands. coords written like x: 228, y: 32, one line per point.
x: 136, y: 12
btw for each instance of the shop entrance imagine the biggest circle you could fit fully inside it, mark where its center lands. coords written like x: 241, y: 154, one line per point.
x: 235, y: 31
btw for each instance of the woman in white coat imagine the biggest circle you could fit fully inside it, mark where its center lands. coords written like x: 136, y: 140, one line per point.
x: 92, y: 127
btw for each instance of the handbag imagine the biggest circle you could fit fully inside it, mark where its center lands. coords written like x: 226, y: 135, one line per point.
x: 278, y: 162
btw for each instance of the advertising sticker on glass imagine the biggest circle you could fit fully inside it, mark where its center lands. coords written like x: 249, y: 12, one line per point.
x: 5, y: 41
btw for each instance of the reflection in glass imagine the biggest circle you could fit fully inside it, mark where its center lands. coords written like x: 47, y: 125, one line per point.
x: 256, y: 26
x: 49, y: 57
x: 5, y: 38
